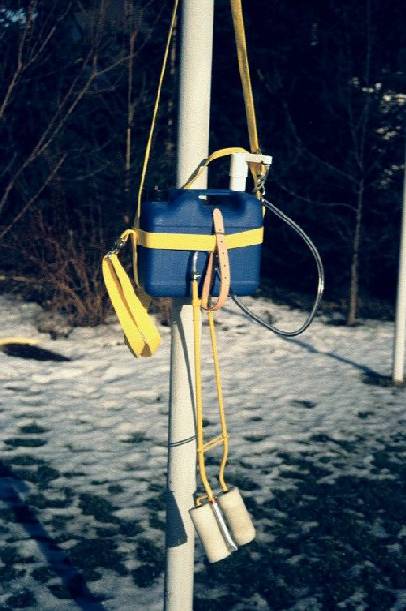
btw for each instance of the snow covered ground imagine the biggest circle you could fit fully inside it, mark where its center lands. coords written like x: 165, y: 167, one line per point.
x: 317, y: 448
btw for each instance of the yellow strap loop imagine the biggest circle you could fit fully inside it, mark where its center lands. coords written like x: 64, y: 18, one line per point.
x: 205, y: 162
x: 222, y: 439
x: 198, y: 391
x: 139, y: 328
x: 219, y: 389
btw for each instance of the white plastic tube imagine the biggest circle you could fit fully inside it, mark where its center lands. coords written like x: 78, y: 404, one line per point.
x: 238, y: 172
x: 237, y: 517
x: 239, y: 168
x: 208, y: 529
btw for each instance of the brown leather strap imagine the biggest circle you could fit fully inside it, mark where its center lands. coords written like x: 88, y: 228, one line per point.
x: 221, y: 253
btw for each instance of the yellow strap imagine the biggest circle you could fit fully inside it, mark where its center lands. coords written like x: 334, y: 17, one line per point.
x: 244, y: 69
x: 18, y: 340
x: 222, y: 439
x: 257, y: 169
x: 197, y: 241
x: 198, y: 391
x: 139, y: 328
x: 241, y: 44
x: 155, y: 112
x: 212, y: 443
x: 219, y: 388
x: 205, y: 162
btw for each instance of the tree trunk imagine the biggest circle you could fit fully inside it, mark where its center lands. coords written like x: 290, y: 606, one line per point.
x: 354, y: 275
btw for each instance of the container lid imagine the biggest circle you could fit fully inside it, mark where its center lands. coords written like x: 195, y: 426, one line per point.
x: 190, y: 211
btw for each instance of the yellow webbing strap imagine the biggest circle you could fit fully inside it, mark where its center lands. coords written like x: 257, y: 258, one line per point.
x: 155, y: 111
x: 18, y: 340
x: 139, y: 328
x: 198, y: 391
x: 197, y: 241
x: 205, y: 162
x: 243, y: 66
x: 244, y: 69
x: 222, y: 439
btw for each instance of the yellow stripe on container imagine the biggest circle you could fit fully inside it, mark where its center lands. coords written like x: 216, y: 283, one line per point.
x: 196, y: 241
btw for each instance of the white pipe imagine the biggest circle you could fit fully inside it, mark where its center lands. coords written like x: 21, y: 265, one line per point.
x: 238, y: 172
x: 192, y: 147
x: 400, y: 320
x: 239, y: 168
x: 238, y: 519
x: 211, y: 535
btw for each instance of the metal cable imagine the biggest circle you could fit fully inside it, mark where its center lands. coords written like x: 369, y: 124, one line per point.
x: 320, y: 287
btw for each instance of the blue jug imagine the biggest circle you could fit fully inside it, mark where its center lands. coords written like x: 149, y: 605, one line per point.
x: 167, y: 273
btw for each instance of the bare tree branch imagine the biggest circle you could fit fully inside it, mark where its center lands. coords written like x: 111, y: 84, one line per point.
x: 34, y: 197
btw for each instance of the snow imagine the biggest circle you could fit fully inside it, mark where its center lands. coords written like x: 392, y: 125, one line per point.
x: 317, y: 448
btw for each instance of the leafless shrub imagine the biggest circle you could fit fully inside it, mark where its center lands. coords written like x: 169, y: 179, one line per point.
x: 64, y: 266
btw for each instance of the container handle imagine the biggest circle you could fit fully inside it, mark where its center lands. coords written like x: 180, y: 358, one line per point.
x: 202, y: 193
x: 215, y: 192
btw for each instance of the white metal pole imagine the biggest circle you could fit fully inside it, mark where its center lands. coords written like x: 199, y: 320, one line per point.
x: 192, y: 147
x: 400, y: 320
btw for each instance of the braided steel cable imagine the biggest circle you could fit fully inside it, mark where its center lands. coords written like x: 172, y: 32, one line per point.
x: 320, y: 271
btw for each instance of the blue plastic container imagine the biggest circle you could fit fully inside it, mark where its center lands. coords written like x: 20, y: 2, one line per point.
x: 167, y: 273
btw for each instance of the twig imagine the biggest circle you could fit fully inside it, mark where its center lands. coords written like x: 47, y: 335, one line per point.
x: 32, y: 199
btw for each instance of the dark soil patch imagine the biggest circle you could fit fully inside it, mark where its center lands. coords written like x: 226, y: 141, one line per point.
x: 152, y: 558
x: 304, y: 404
x: 32, y: 429
x: 21, y: 600
x: 26, y: 351
x: 136, y: 437
x: 91, y: 554
x: 98, y: 507
x: 26, y: 442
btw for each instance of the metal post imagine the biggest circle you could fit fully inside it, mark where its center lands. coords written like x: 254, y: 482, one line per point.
x: 193, y: 146
x: 400, y: 320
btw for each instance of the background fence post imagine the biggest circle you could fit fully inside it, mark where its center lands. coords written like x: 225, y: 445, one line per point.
x: 400, y: 320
